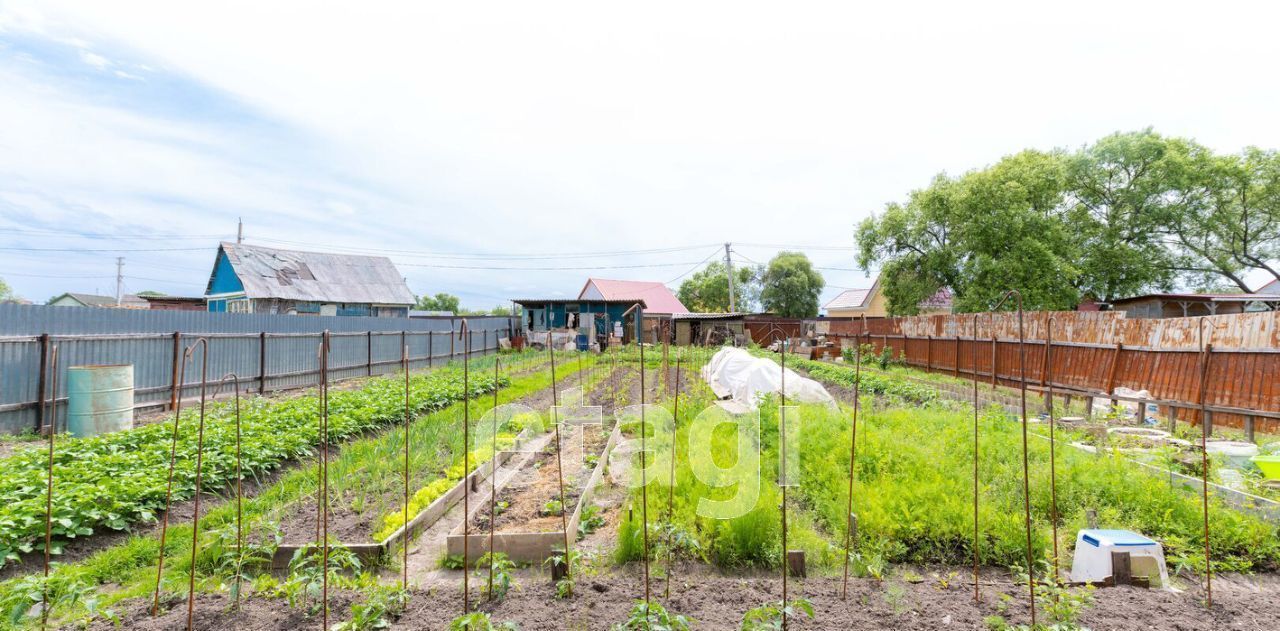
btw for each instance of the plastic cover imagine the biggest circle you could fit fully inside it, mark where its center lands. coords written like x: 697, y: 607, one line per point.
x: 735, y: 373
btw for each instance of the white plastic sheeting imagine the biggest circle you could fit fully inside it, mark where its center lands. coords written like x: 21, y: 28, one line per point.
x: 737, y: 374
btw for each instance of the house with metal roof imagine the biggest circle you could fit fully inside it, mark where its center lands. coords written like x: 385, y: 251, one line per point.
x: 72, y: 299
x: 658, y: 298
x: 870, y: 302
x: 256, y: 279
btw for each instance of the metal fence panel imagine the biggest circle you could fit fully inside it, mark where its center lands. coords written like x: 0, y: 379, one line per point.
x: 237, y: 343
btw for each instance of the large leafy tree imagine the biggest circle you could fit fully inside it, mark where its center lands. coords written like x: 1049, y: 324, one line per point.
x: 1131, y: 213
x: 440, y: 302
x: 1120, y: 203
x: 980, y: 234
x: 789, y: 286
x: 1230, y: 223
x: 707, y: 290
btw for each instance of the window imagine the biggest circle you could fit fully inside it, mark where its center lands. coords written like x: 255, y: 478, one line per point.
x: 239, y: 306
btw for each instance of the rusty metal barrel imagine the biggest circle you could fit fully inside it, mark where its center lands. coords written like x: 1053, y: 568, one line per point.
x: 99, y: 399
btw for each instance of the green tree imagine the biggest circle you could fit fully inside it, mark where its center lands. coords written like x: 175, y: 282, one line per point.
x: 1120, y: 204
x: 1230, y: 219
x: 440, y: 302
x: 707, y: 290
x: 979, y: 234
x: 790, y: 286
x: 6, y: 292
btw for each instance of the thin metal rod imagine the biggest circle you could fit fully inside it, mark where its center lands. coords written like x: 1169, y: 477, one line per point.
x: 464, y: 331
x: 853, y: 458
x: 52, y: 428
x: 168, y: 496
x: 324, y: 475
x: 644, y: 482
x: 408, y: 419
x: 977, y: 541
x: 1207, y: 349
x: 1026, y: 484
x: 555, y: 420
x: 1053, y: 448
x: 782, y: 449
x: 671, y: 486
x: 493, y: 475
x: 195, y: 517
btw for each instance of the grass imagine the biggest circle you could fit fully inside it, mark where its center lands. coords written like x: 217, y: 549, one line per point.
x: 913, y: 495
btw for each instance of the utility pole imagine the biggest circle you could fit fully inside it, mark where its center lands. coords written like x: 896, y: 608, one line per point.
x: 728, y: 261
x: 239, y: 230
x: 119, y: 279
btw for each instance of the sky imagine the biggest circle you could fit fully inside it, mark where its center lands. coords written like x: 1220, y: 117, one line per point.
x: 512, y: 149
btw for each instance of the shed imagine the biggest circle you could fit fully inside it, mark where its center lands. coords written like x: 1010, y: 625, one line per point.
x: 175, y: 303
x: 709, y: 329
x: 256, y: 279
x: 1189, y: 305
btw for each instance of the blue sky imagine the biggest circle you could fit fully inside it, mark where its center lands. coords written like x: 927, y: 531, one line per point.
x: 454, y: 136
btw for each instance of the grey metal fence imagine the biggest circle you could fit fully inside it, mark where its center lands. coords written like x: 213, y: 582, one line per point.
x: 265, y: 352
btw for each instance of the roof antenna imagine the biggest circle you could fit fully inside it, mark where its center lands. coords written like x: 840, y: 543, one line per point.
x: 239, y: 230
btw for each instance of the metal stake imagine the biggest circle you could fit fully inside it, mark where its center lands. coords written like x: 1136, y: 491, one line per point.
x: 853, y: 455
x: 52, y: 428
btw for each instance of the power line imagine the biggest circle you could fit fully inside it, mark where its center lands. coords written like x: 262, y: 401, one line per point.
x: 546, y: 269
x: 694, y: 268
x: 16, y: 249
x: 100, y: 235
x: 492, y: 256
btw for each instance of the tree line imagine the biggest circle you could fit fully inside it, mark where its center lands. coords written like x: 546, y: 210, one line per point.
x: 1132, y: 213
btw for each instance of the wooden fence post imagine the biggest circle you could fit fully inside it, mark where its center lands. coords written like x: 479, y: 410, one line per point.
x: 262, y: 363
x: 1248, y: 428
x: 175, y: 388
x: 928, y: 353
x: 1111, y: 374
x: 41, y: 386
x: 956, y: 368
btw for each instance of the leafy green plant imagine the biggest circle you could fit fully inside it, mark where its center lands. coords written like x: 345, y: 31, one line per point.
x: 118, y: 479
x: 503, y: 580
x: 895, y: 596
x: 653, y: 617
x: 589, y: 520
x: 552, y: 508
x: 377, y: 611
x: 29, y: 591
x: 305, y: 580
x: 769, y: 617
x: 565, y: 586
x: 480, y: 621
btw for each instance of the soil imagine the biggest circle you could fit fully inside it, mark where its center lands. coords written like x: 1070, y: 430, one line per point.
x: 718, y: 601
x: 214, y: 611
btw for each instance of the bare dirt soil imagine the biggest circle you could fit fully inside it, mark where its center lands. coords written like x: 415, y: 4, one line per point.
x: 718, y: 601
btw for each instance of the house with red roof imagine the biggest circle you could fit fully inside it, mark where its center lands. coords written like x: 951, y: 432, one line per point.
x: 658, y: 299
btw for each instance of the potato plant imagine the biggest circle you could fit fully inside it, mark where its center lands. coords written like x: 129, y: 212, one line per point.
x: 115, y: 480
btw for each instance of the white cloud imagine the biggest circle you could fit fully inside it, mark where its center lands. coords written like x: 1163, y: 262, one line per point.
x: 556, y: 126
x: 94, y: 59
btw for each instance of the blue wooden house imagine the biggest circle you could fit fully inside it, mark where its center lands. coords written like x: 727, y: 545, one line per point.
x: 600, y: 317
x: 255, y: 279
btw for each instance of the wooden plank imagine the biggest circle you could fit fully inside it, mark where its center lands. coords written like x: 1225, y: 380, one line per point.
x: 1121, y: 568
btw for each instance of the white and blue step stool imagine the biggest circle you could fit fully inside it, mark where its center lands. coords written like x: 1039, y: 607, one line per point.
x: 1092, y: 562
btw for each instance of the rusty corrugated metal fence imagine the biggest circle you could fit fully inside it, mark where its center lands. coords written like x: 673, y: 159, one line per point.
x: 1096, y: 352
